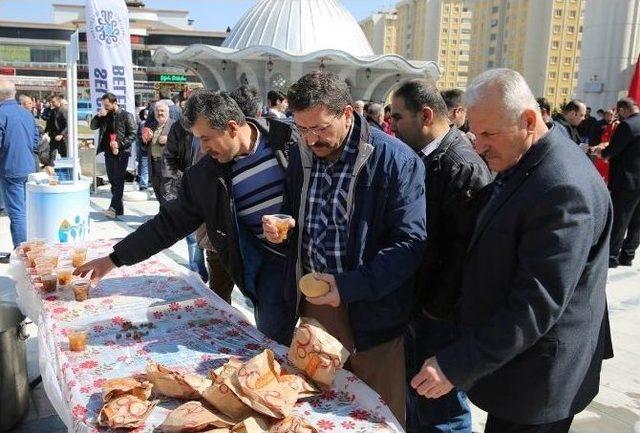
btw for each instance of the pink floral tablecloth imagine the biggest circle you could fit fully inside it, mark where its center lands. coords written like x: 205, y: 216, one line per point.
x: 192, y: 330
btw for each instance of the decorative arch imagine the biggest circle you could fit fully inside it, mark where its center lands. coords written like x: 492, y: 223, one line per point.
x: 371, y: 88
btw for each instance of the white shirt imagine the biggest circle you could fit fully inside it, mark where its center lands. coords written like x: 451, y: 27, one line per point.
x: 429, y: 148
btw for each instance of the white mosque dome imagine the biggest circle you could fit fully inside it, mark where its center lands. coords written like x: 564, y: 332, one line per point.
x: 299, y: 27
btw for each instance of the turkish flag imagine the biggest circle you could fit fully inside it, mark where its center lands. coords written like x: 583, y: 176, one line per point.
x: 634, y: 86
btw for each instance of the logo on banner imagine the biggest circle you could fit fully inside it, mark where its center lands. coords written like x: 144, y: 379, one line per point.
x: 107, y: 29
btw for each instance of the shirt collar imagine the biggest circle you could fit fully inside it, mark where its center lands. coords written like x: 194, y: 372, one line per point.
x: 429, y: 148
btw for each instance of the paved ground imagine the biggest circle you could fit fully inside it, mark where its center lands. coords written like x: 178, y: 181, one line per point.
x: 615, y: 410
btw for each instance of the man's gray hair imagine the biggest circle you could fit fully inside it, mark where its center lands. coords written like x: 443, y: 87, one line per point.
x: 375, y: 110
x: 162, y: 104
x: 511, y: 89
x: 218, y: 108
x: 7, y: 90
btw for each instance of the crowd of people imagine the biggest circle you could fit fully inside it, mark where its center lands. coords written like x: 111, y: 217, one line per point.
x: 445, y: 283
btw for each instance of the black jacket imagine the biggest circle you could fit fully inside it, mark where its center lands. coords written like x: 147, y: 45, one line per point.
x: 177, y: 153
x: 57, y: 125
x: 455, y: 174
x: 623, y: 153
x: 533, y: 290
x: 124, y: 126
x: 204, y: 197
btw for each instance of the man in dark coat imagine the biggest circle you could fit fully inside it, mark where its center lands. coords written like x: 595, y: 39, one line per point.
x: 623, y: 153
x: 533, y: 287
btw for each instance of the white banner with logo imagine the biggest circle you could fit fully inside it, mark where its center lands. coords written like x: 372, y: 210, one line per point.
x: 109, y: 52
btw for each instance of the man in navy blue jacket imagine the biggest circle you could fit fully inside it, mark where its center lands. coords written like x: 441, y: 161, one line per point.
x: 19, y: 139
x: 358, y: 197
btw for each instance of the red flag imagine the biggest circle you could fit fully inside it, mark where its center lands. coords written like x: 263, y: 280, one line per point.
x: 634, y: 86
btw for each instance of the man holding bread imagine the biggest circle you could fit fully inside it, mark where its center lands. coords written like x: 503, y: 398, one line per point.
x: 358, y: 197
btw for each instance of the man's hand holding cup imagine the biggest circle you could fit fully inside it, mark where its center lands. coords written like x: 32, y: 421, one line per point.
x: 276, y: 227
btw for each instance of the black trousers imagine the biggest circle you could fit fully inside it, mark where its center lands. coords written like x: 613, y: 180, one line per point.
x: 157, y: 179
x: 497, y: 425
x: 625, y: 233
x: 116, y: 168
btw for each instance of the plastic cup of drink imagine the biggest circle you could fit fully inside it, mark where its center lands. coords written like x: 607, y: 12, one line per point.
x: 78, y: 256
x: 282, y: 222
x: 81, y: 289
x: 65, y: 275
x: 44, y: 268
x: 53, y: 256
x: 49, y: 282
x: 33, y: 255
x: 78, y: 338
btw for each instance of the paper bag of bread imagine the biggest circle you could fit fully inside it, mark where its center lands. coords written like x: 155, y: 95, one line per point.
x: 113, y: 388
x: 305, y: 388
x: 127, y: 411
x: 258, y: 385
x: 292, y: 424
x: 176, y: 385
x: 220, y: 396
x: 316, y: 352
x: 252, y: 424
x: 193, y: 417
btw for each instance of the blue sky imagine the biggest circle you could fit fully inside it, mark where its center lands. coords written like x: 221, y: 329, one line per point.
x: 208, y: 14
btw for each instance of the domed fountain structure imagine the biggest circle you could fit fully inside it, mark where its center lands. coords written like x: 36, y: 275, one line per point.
x: 277, y: 41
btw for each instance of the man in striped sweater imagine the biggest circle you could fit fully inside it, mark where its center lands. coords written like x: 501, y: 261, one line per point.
x: 240, y: 180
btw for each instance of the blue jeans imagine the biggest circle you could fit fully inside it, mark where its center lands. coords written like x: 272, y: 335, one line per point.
x: 196, y: 257
x: 13, y: 190
x: 143, y: 172
x: 448, y: 414
x: 264, y: 281
x: 1, y: 200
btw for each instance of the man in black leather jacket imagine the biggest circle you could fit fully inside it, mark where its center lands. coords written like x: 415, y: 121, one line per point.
x: 117, y: 132
x: 455, y: 174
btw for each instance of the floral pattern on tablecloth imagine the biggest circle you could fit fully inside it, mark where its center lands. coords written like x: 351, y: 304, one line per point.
x: 192, y: 331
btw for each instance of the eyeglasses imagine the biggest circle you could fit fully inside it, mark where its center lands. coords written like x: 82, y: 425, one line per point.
x: 318, y: 130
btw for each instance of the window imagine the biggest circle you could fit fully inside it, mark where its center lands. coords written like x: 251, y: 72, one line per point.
x: 552, y: 90
x: 555, y: 45
x: 47, y: 55
x: 567, y: 61
x: 443, y: 52
x: 494, y: 10
x: 490, y: 64
x: 569, y: 45
x: 552, y: 75
x: 557, y: 13
x: 492, y: 50
x: 564, y: 91
x: 573, y: 14
x: 553, y: 60
x: 566, y: 76
x: 570, y: 29
x: 492, y: 37
x: 556, y: 29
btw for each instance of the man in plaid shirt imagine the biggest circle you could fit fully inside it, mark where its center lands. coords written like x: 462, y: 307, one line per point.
x: 358, y: 195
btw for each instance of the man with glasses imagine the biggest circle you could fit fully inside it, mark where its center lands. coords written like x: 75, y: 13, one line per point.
x: 239, y: 180
x: 358, y: 197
